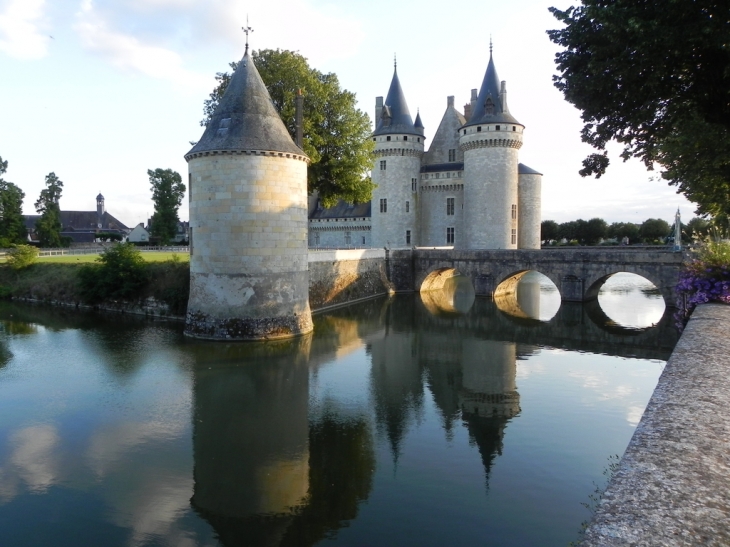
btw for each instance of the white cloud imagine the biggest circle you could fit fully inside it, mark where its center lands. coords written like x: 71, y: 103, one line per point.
x: 33, y: 461
x: 21, y: 34
x: 128, y: 52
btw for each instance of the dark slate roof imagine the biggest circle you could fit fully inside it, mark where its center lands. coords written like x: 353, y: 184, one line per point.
x: 418, y: 124
x: 245, y: 118
x: 490, y: 90
x: 99, y: 197
x: 342, y: 210
x: 438, y: 167
x: 396, y: 117
x: 446, y: 138
x: 82, y: 221
x: 522, y: 169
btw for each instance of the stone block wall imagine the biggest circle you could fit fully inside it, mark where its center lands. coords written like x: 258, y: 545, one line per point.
x: 490, y: 185
x: 529, y: 207
x: 343, y: 276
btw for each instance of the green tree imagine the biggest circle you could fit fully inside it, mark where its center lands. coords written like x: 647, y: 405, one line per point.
x: 119, y: 273
x: 655, y: 77
x: 336, y: 135
x: 593, y: 231
x: 653, y: 229
x: 167, y: 193
x: 549, y: 231
x: 569, y: 230
x: 22, y: 256
x: 620, y: 230
x: 49, y: 226
x: 698, y: 228
x: 12, y: 222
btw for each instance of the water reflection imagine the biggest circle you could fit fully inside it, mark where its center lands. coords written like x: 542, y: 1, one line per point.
x: 631, y: 301
x: 266, y: 471
x: 456, y: 296
x: 279, y: 455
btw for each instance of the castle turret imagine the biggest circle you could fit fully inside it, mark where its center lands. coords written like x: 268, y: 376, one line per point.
x: 248, y: 220
x: 99, y: 210
x: 490, y: 141
x: 398, y: 150
x: 529, y: 205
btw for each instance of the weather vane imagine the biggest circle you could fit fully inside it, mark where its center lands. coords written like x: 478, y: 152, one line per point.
x: 247, y: 29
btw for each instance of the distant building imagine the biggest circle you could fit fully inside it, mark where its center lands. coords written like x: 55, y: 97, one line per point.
x: 83, y: 226
x: 139, y: 234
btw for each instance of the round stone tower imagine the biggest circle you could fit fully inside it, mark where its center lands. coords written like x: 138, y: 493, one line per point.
x: 398, y: 150
x: 490, y: 140
x: 248, y: 220
x: 529, y: 207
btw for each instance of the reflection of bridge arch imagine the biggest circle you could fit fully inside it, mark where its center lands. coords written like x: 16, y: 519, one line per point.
x: 595, y: 283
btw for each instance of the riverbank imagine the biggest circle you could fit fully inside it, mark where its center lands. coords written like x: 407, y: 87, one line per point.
x: 673, y: 482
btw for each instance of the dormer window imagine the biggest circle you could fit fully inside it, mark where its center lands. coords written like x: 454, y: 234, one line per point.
x: 489, y: 107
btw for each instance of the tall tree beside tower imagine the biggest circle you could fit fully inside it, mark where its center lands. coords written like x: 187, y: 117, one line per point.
x: 12, y: 224
x: 336, y: 135
x: 48, y: 227
x: 167, y: 193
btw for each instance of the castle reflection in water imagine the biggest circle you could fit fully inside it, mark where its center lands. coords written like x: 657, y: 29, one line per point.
x: 272, y: 468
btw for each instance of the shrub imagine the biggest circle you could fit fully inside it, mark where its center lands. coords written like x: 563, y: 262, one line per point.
x: 705, y: 279
x: 22, y: 256
x: 120, y: 273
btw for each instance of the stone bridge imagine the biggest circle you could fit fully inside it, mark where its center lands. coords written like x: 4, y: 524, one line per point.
x: 578, y: 273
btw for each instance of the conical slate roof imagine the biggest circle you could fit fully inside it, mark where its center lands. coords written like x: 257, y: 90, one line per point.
x: 245, y: 118
x: 489, y: 107
x: 396, y: 117
x: 418, y: 124
x: 522, y: 169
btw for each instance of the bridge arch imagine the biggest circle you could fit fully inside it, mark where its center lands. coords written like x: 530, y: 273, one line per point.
x: 594, y: 284
x: 436, y: 279
x: 523, y: 301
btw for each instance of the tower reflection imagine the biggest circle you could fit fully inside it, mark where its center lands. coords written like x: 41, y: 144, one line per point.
x: 470, y: 378
x: 267, y: 472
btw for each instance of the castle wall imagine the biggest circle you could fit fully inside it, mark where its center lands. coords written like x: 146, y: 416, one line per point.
x: 248, y: 265
x: 529, y: 210
x: 434, y: 214
x: 490, y: 186
x: 394, y: 180
x: 333, y: 234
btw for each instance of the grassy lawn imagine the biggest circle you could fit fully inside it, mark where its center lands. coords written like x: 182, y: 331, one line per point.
x: 151, y: 256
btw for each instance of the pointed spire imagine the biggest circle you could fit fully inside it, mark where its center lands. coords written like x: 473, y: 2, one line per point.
x: 399, y: 118
x: 245, y: 118
x: 247, y: 29
x: 418, y: 124
x: 491, y: 104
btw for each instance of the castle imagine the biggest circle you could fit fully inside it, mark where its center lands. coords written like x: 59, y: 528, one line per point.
x: 468, y: 190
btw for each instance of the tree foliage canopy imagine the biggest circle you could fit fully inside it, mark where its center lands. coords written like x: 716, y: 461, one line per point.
x: 655, y: 77
x: 48, y: 227
x: 336, y: 135
x: 167, y: 194
x: 12, y: 222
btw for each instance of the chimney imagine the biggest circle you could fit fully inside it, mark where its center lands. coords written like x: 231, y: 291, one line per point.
x: 503, y: 96
x: 378, y: 110
x: 473, y: 98
x: 450, y: 101
x: 299, y: 113
x: 467, y: 111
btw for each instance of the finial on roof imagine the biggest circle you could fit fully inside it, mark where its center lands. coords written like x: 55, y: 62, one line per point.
x: 395, y: 62
x: 490, y: 45
x: 247, y: 29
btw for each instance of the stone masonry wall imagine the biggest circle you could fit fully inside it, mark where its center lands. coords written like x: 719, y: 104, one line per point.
x: 490, y: 185
x: 529, y: 195
x: 343, y: 276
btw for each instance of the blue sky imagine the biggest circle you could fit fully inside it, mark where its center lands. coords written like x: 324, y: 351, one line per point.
x: 99, y: 91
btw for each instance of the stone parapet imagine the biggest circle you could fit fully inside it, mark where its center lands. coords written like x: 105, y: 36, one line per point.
x: 671, y: 487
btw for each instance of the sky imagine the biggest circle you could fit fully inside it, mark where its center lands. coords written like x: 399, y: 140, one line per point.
x: 100, y: 91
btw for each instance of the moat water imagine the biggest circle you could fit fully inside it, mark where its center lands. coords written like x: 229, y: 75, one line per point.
x: 440, y: 419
